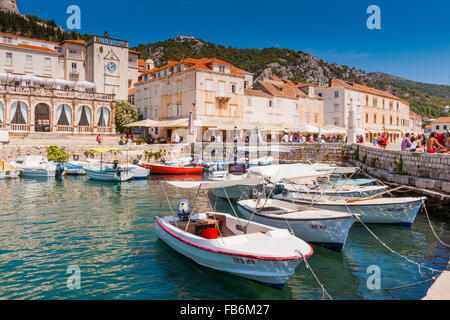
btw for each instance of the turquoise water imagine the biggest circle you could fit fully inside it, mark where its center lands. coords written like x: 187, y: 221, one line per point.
x: 108, y: 231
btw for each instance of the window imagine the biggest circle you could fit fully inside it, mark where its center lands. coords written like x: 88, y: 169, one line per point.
x: 29, y: 61
x: 307, y: 102
x: 336, y: 108
x: 177, y: 110
x: 270, y: 103
x: 437, y: 127
x: 7, y: 39
x: 445, y: 127
x: 233, y: 88
x: 179, y: 87
x: 209, y: 85
x: 374, y: 118
x: 156, y: 91
x: 296, y: 106
x: 178, y: 69
x: 336, y: 122
x: 47, y: 63
x: 9, y: 59
x: 316, y: 117
x: 169, y: 111
x: 336, y: 94
x: 221, y: 69
x: 74, y: 66
x: 233, y: 111
x: 249, y: 101
x: 169, y: 89
x: 209, y: 109
x: 156, y: 113
x: 308, y: 117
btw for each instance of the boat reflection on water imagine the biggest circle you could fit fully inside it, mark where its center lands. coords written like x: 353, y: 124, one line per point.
x: 189, y: 279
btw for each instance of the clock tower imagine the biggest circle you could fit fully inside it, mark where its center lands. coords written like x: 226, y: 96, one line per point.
x: 107, y: 65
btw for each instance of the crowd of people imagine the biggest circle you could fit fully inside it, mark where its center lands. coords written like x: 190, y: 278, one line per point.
x: 435, y: 143
x: 299, y: 138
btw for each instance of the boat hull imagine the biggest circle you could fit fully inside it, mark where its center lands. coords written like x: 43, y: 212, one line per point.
x: 9, y: 174
x: 161, y: 169
x: 101, y: 176
x: 274, y: 273
x: 399, y: 214
x: 365, y: 192
x: 234, y: 192
x: 329, y: 233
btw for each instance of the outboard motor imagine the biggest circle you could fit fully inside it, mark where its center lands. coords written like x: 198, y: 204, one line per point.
x: 254, y: 194
x: 184, y: 210
x: 60, y: 170
x: 115, y: 164
x: 205, y: 172
x: 136, y: 162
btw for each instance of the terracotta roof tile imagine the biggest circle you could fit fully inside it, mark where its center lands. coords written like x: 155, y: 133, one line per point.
x: 25, y: 46
x: 21, y: 37
x: 442, y: 120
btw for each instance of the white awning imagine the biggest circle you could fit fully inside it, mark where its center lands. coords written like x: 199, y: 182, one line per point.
x: 149, y: 123
x: 276, y: 173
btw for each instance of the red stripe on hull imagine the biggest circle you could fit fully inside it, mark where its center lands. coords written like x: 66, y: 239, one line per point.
x: 158, y: 169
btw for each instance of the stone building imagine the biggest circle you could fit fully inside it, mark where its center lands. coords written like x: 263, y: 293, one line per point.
x: 25, y: 109
x: 441, y: 125
x: 373, y: 111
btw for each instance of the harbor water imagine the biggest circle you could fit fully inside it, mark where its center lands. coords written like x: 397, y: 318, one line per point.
x: 107, y: 230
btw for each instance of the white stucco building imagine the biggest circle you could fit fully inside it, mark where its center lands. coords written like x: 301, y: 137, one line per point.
x: 374, y: 111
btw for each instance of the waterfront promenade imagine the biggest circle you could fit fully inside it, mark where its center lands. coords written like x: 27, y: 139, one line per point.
x: 440, y: 290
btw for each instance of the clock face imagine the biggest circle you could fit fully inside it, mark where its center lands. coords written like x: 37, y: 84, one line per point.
x: 111, y: 66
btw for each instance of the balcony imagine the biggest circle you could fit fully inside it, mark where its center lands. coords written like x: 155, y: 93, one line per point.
x: 75, y: 71
x: 222, y: 95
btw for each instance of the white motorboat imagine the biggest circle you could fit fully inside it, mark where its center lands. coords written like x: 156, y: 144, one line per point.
x: 243, y: 190
x: 332, y: 190
x: 316, y: 226
x: 222, y: 242
x: 113, y: 171
x: 37, y: 166
x: 321, y: 227
x: 395, y: 211
x: 7, y: 171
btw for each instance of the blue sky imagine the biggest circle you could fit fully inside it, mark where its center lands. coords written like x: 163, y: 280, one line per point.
x: 414, y: 40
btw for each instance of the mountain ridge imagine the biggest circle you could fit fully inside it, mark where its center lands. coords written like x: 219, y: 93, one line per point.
x: 428, y: 100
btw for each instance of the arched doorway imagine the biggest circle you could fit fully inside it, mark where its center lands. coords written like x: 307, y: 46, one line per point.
x: 42, y: 121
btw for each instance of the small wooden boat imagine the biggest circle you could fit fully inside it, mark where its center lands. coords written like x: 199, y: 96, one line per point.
x: 7, y: 171
x: 172, y: 168
x: 222, y: 242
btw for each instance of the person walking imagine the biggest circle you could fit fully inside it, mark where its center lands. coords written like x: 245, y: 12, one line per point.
x: 384, y: 141
x: 99, y: 139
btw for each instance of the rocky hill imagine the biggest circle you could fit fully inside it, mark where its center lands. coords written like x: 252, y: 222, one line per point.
x: 9, y: 6
x: 428, y: 100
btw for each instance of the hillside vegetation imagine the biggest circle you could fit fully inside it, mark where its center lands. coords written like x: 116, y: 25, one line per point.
x: 428, y: 100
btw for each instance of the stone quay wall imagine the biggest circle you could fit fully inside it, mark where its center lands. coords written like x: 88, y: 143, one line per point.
x: 169, y: 152
x: 421, y: 170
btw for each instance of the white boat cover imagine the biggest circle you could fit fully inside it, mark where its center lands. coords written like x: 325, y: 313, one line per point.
x: 208, y: 185
x: 277, y: 173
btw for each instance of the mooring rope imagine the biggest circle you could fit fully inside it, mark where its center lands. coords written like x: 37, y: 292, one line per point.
x: 324, y: 292
x: 412, y: 284
x: 389, y: 248
x: 431, y: 226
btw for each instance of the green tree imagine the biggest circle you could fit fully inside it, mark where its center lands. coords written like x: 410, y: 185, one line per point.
x: 126, y: 113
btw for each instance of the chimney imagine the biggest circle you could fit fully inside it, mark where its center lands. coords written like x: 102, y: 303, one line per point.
x: 330, y: 83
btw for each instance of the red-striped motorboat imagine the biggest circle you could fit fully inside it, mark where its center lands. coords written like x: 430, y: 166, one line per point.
x: 161, y: 168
